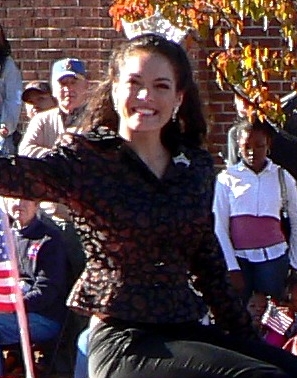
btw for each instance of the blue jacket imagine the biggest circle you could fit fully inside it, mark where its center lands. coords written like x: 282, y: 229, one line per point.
x: 43, y: 269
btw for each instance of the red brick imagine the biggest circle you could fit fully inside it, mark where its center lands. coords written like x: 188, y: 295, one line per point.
x: 41, y: 31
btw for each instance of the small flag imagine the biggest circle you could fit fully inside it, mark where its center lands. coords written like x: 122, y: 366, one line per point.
x: 35, y: 247
x: 7, y: 276
x: 11, y: 298
x: 276, y: 318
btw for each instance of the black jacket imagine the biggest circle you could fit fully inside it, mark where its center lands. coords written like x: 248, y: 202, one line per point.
x: 43, y: 269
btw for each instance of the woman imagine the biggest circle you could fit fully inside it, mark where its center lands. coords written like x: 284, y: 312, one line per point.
x: 141, y: 191
x: 247, y: 207
x: 10, y: 96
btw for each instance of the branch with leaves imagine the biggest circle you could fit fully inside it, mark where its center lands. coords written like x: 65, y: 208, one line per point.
x: 236, y: 63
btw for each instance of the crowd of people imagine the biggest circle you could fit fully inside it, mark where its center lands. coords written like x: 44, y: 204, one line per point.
x: 118, y: 215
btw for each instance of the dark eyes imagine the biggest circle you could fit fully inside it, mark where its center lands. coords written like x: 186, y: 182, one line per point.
x: 162, y: 86
x: 135, y: 83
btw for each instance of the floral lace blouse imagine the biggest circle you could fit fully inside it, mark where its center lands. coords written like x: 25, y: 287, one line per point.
x: 149, y: 242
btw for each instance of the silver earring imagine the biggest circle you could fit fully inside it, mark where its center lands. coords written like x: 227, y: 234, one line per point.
x: 174, y: 113
x: 115, y: 106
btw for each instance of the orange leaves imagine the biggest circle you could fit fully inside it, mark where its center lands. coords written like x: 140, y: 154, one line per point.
x: 130, y: 10
x: 235, y: 60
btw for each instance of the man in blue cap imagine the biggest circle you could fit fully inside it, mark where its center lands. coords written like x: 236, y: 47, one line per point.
x: 70, y: 88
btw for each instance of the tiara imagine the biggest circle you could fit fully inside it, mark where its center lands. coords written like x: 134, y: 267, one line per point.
x: 155, y: 24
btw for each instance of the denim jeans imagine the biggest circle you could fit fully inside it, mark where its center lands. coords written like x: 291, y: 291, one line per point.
x: 81, y: 362
x: 196, y: 351
x: 40, y: 329
x: 268, y: 277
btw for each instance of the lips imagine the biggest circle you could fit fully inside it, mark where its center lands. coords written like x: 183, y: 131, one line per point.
x: 144, y: 111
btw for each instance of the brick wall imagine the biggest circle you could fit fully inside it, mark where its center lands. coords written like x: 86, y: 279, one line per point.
x: 41, y: 31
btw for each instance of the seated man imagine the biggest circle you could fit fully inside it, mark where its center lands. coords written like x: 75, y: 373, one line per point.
x: 42, y: 268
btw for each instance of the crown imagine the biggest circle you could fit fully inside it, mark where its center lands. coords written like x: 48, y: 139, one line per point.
x: 155, y: 24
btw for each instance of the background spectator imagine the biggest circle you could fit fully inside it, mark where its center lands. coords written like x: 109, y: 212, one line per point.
x: 10, y: 96
x: 247, y: 207
x: 42, y: 265
x: 38, y: 97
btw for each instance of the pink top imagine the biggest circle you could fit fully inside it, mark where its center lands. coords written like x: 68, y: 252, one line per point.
x: 250, y: 232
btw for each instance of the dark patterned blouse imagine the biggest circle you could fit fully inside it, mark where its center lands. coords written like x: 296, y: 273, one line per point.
x: 148, y: 241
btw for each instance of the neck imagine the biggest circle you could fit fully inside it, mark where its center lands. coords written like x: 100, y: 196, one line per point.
x: 151, y: 151
x: 258, y: 168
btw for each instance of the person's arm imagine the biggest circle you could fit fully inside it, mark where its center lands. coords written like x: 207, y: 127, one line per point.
x: 221, y: 210
x: 210, y: 269
x: 32, y: 143
x: 58, y: 177
x: 11, y: 100
x: 292, y: 210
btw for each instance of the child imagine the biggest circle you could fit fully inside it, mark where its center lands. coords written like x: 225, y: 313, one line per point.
x: 256, y: 307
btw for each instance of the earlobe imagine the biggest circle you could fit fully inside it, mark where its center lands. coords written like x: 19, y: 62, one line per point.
x: 179, y: 100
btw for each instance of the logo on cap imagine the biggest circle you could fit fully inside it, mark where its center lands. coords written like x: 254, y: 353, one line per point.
x: 67, y: 65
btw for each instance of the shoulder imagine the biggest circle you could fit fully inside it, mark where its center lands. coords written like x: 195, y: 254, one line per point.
x: 43, y: 228
x: 10, y: 64
x: 226, y: 175
x: 199, y: 155
x: 47, y: 114
x: 84, y: 145
x: 288, y: 177
x: 44, y: 118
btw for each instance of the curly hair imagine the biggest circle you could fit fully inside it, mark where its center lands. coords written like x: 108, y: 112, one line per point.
x: 190, y: 126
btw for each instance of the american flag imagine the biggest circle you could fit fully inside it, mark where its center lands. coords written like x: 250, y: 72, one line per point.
x: 7, y: 277
x: 35, y: 247
x: 11, y: 298
x: 277, y: 319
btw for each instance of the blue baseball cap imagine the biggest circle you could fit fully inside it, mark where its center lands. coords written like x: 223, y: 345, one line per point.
x: 68, y: 67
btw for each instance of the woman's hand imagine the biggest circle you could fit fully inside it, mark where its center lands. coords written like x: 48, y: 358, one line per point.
x: 64, y: 140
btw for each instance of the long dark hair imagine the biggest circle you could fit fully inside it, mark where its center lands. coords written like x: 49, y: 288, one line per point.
x: 190, y: 126
x: 5, y: 49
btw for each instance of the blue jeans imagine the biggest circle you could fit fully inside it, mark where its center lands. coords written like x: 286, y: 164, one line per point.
x: 81, y: 363
x: 268, y: 277
x: 40, y: 329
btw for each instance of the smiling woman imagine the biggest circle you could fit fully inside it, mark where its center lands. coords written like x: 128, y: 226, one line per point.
x: 140, y: 187
x: 146, y: 94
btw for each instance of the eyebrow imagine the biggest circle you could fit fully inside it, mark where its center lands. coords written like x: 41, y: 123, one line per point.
x: 157, y: 79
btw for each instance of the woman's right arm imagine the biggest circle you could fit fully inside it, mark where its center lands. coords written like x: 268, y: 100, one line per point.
x: 221, y: 210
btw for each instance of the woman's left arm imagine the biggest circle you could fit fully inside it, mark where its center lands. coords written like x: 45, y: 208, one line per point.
x: 209, y: 266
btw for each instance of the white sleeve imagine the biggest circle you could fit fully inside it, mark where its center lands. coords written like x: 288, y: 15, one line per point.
x: 221, y: 210
x: 32, y: 143
x: 292, y: 210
